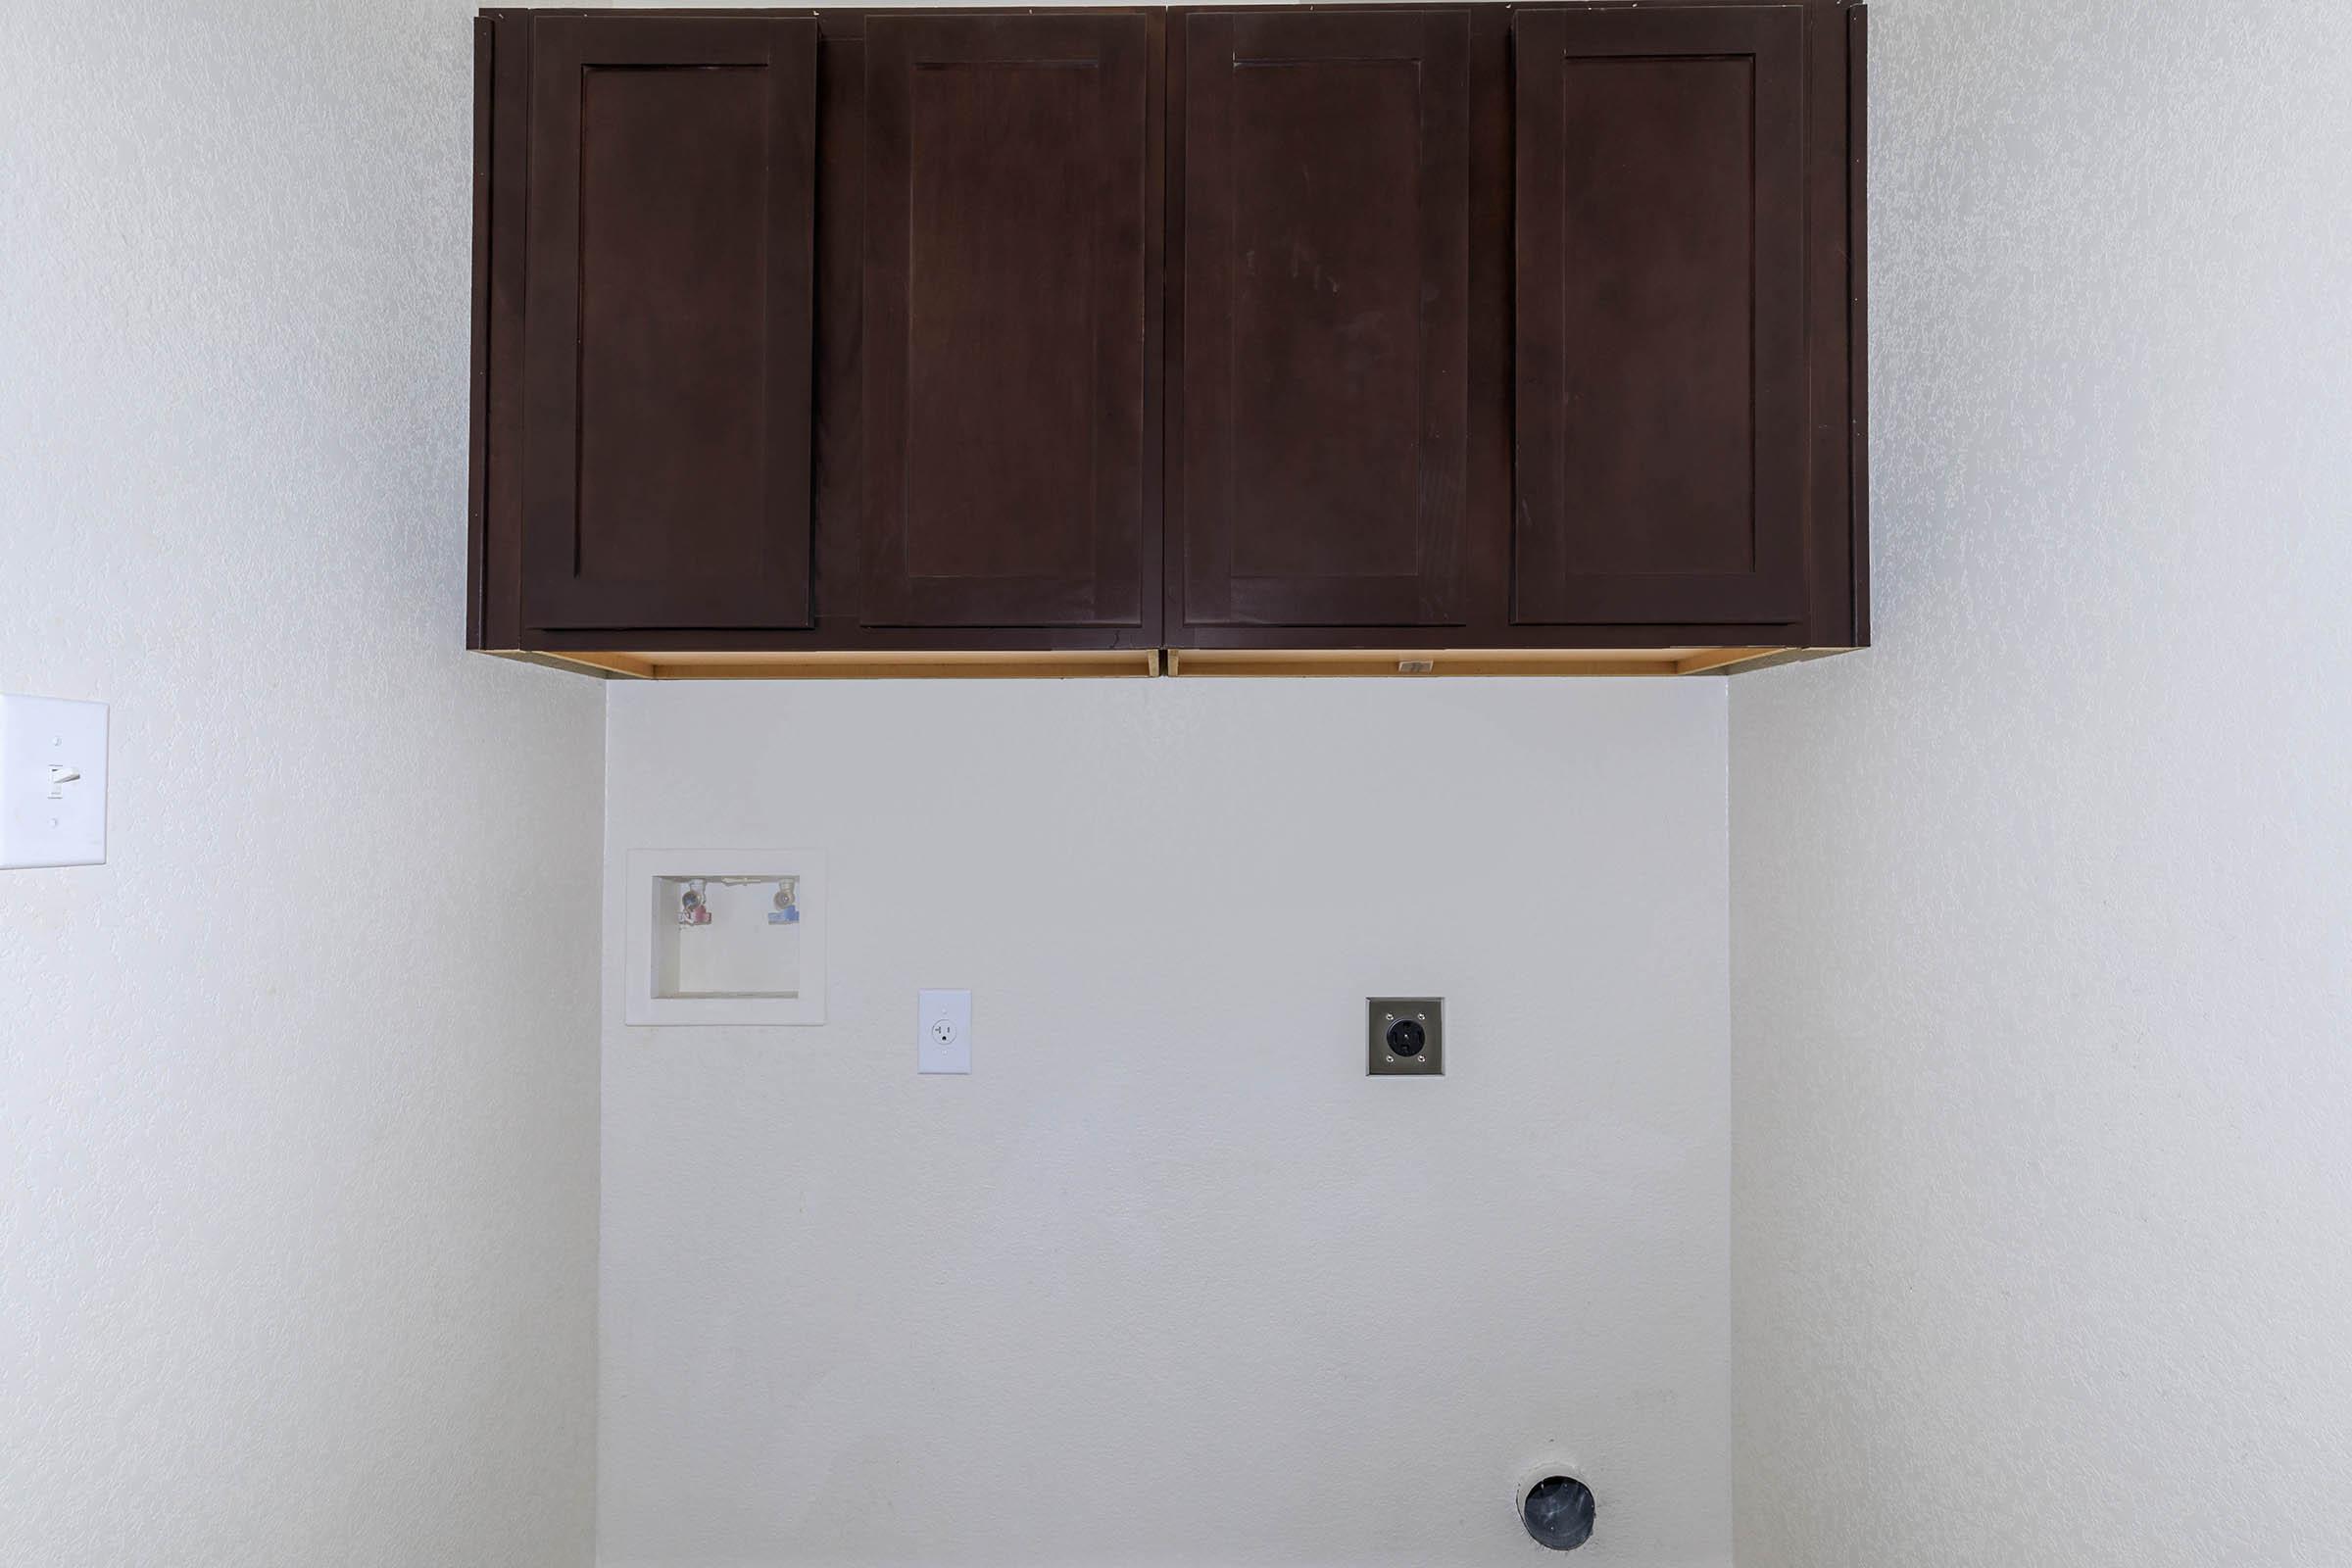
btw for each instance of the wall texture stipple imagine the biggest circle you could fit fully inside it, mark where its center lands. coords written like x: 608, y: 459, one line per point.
x: 2042, y: 908
x: 297, y: 1095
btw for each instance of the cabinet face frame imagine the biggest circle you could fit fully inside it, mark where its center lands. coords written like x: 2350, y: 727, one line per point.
x: 1262, y: 241
x: 1566, y: 317
x: 1112, y: 182
x: 573, y: 362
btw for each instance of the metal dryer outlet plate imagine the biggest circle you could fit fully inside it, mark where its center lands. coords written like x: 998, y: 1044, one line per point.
x: 1406, y: 1037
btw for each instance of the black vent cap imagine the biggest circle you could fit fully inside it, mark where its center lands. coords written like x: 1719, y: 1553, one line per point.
x: 1558, y: 1512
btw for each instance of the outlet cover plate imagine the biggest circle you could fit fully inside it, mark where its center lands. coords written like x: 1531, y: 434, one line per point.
x: 52, y: 782
x: 1385, y: 1013
x: 943, y: 1031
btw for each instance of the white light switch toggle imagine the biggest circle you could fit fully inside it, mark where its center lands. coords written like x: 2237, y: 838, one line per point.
x: 944, y: 1043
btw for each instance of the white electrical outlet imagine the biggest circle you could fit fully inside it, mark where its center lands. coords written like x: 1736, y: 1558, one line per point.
x: 52, y: 782
x: 944, y: 1037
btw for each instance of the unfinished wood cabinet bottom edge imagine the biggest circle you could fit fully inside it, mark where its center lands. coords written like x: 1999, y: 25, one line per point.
x: 840, y: 665
x: 1002, y: 664
x: 1411, y: 663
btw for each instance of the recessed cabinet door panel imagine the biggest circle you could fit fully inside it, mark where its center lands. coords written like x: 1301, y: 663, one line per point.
x: 673, y: 179
x: 1325, y: 310
x: 1006, y: 307
x: 1660, y: 324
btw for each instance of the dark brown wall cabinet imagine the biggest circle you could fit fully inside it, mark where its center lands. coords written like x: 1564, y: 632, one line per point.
x: 666, y: 325
x: 1478, y: 338
x: 1009, y: 229
x: 1659, y: 335
x: 1325, y: 344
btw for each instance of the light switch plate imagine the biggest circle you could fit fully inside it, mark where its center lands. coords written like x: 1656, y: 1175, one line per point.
x: 943, y: 1033
x: 52, y: 782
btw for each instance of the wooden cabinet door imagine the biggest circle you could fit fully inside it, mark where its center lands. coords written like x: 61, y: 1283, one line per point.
x: 1325, y: 341
x: 667, y: 423
x: 1660, y: 466
x: 1011, y: 211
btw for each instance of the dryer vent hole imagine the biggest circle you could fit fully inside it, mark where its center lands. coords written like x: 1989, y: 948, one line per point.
x: 1558, y: 1512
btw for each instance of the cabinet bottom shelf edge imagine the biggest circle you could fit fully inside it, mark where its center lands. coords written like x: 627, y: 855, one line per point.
x: 1007, y: 664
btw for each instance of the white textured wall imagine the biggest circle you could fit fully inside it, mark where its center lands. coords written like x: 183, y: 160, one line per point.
x: 2043, y: 936
x: 297, y: 1095
x: 1168, y: 1279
